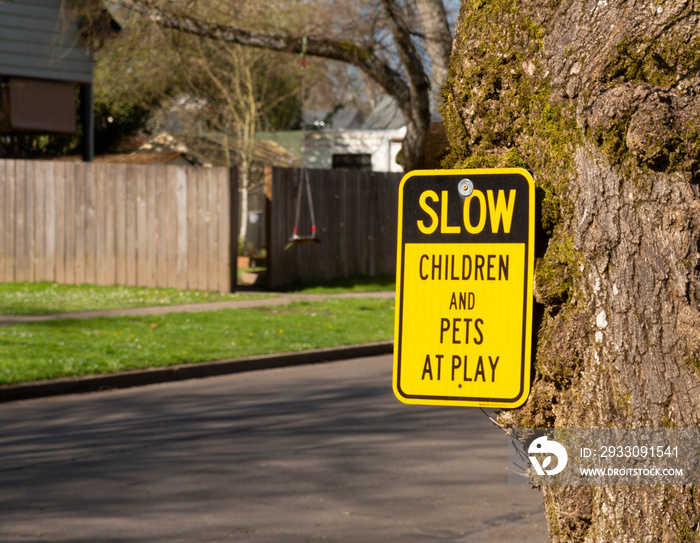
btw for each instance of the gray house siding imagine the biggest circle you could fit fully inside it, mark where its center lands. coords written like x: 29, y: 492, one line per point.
x: 38, y: 39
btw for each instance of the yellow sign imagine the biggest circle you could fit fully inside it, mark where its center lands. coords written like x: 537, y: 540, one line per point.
x: 464, y: 287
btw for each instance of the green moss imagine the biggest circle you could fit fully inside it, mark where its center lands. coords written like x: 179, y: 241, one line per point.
x: 660, y: 62
x: 552, y: 519
x: 611, y: 139
x: 684, y: 533
x: 556, y: 271
x: 511, y: 158
x: 694, y: 362
x: 667, y: 421
x: 488, y: 93
x: 689, y: 57
x: 626, y: 405
x: 498, y: 111
x: 556, y: 366
x: 686, y: 155
x: 550, y: 212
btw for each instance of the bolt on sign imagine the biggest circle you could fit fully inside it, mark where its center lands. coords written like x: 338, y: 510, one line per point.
x: 465, y: 264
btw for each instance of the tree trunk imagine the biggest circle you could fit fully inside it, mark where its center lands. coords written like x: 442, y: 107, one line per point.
x: 243, y: 186
x: 437, y: 38
x: 600, y: 100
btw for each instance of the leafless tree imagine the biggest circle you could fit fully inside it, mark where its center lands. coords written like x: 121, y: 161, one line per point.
x: 237, y: 98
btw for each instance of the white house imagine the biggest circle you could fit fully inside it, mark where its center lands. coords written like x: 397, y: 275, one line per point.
x: 342, y: 139
x: 373, y: 150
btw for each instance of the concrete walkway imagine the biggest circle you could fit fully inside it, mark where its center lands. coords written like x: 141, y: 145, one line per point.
x: 274, y: 299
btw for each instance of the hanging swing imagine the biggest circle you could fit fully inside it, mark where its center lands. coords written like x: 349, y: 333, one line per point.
x: 296, y: 238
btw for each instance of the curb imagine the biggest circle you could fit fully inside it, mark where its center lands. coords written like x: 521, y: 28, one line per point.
x: 94, y: 383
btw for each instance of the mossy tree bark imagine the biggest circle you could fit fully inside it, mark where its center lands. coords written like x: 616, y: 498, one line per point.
x: 600, y: 100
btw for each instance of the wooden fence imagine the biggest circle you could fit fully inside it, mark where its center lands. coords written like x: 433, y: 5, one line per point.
x: 356, y: 217
x: 145, y: 225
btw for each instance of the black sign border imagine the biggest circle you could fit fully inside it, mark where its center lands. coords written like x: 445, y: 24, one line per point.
x: 527, y: 304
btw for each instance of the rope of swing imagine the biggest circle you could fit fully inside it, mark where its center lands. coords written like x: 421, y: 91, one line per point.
x: 303, y: 171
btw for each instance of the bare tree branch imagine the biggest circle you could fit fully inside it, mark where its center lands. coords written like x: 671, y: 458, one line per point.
x: 342, y: 50
x: 412, y: 95
x: 436, y: 36
x: 417, y: 114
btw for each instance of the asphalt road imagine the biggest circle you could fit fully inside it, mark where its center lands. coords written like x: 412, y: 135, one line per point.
x: 303, y: 454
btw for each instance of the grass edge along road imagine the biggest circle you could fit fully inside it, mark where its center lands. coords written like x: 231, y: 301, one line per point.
x: 75, y: 347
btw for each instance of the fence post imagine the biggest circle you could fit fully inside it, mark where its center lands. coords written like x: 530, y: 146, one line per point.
x: 234, y: 223
x: 267, y: 175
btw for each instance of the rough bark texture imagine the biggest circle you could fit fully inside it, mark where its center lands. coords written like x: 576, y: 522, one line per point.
x: 600, y: 100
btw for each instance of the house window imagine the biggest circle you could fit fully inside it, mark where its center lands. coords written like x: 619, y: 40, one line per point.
x: 352, y: 162
x: 37, y: 106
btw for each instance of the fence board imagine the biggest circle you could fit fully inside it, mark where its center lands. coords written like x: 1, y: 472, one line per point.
x: 5, y: 202
x: 181, y: 229
x: 131, y: 245
x: 39, y: 222
x: 21, y: 260
x: 10, y: 223
x: 3, y: 223
x: 69, y: 218
x: 212, y: 220
x: 108, y: 263
x: 79, y: 222
x: 30, y: 218
x: 59, y: 233
x: 100, y: 222
x: 120, y: 219
x: 160, y: 228
x: 192, y: 236
x: 49, y: 273
x: 201, y: 218
x: 90, y: 227
x: 227, y: 235
x: 151, y: 217
x: 141, y: 234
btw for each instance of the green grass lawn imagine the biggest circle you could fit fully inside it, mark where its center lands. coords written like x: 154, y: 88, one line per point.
x: 72, y: 347
x: 43, y: 298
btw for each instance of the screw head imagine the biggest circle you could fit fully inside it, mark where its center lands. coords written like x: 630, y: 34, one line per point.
x: 465, y: 187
